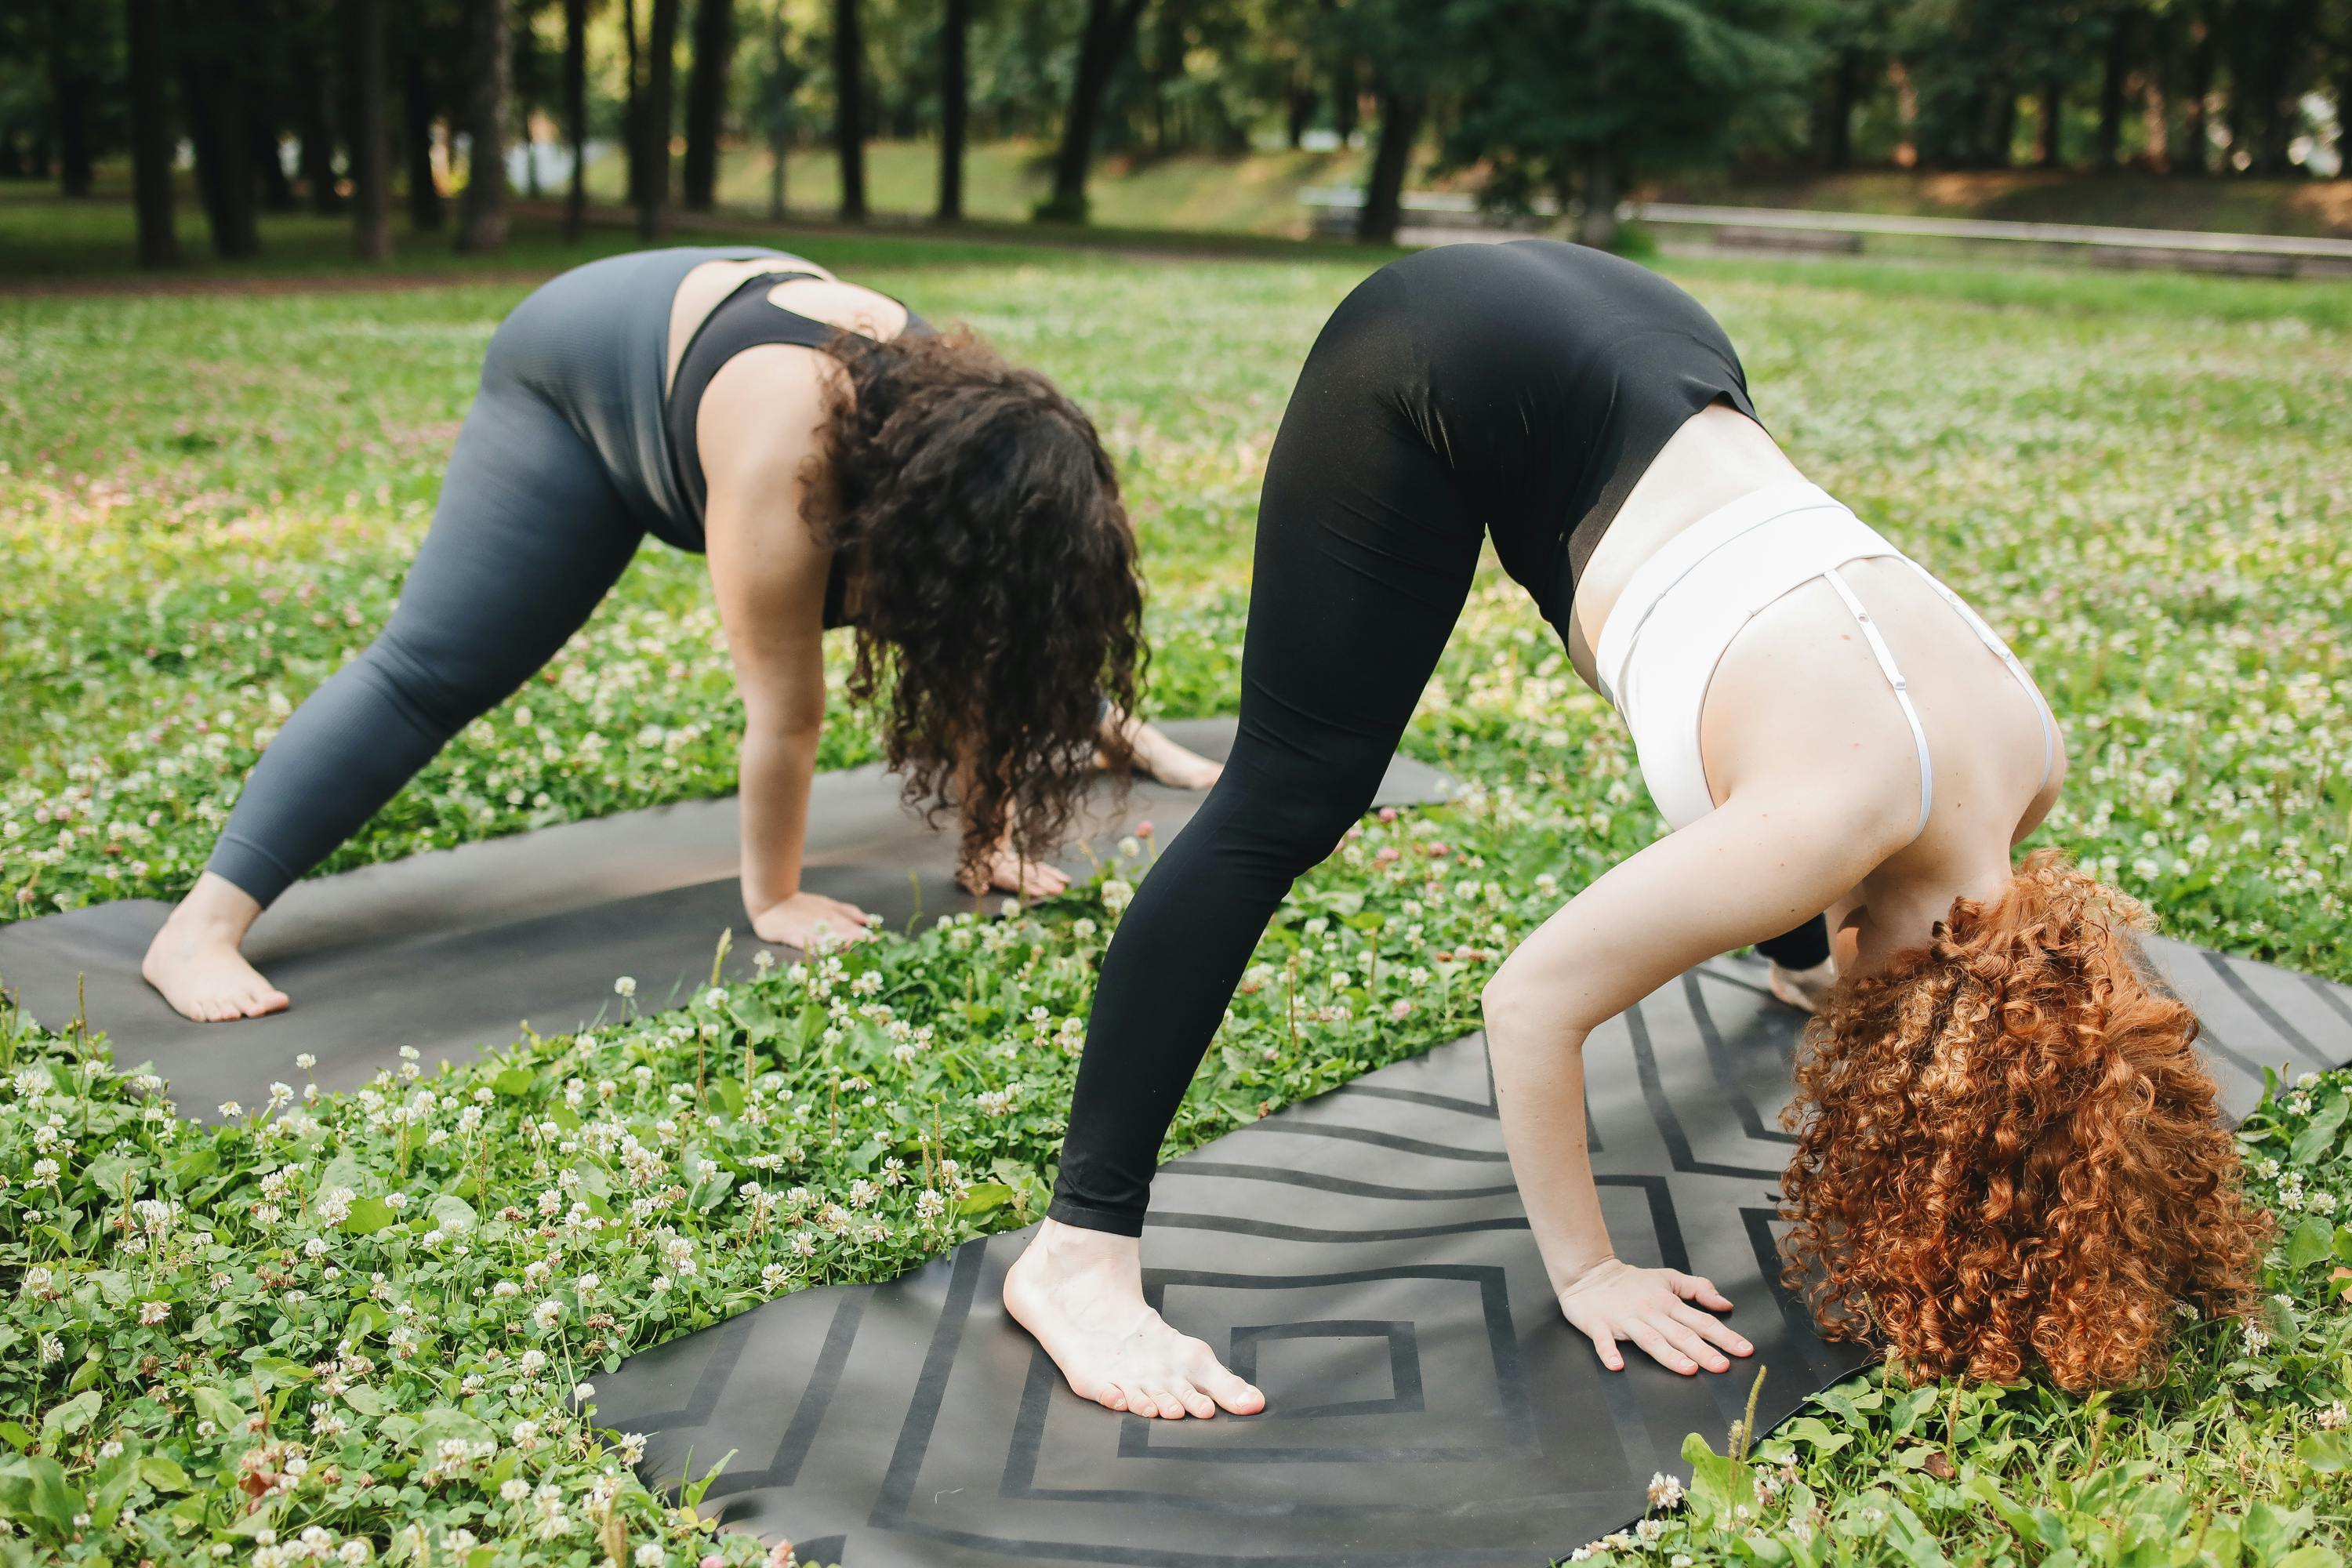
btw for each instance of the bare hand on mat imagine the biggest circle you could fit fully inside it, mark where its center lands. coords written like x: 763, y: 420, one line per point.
x: 1007, y: 872
x: 1615, y: 1300
x: 798, y: 920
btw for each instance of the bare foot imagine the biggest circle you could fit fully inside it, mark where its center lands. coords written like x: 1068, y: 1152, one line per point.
x: 195, y: 963
x: 1807, y: 990
x: 1081, y: 1293
x: 1007, y: 872
x: 1158, y: 757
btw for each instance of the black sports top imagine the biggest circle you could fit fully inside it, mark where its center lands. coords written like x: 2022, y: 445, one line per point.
x: 746, y: 318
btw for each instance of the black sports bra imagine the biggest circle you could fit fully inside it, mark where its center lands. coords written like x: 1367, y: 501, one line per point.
x: 745, y: 319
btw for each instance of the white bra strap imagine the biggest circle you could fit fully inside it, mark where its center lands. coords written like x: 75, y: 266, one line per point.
x: 1886, y: 657
x: 1991, y: 639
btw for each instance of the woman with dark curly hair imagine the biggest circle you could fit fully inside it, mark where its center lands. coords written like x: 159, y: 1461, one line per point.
x: 2009, y: 1156
x: 840, y: 464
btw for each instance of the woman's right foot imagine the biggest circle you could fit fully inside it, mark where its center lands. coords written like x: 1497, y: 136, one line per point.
x: 195, y: 963
x: 1080, y: 1292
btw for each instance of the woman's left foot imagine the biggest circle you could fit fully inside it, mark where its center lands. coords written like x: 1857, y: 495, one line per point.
x: 1162, y: 759
x: 1006, y: 872
x: 1807, y: 990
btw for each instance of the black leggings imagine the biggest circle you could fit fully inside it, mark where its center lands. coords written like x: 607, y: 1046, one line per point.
x: 1368, y: 537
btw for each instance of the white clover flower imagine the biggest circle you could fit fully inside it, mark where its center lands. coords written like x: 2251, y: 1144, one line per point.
x: 582, y: 1393
x: 1665, y: 1491
x: 514, y: 1489
x: 153, y: 1312
x: 548, y: 1313
x: 625, y: 985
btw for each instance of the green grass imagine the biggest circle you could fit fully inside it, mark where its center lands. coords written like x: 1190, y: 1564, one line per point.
x: 207, y: 504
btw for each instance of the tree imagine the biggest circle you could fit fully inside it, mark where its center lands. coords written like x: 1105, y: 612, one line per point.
x: 419, y: 110
x: 654, y: 119
x: 482, y: 211
x: 632, y: 135
x: 575, y: 114
x: 150, y: 136
x: 70, y: 91
x: 706, y: 99
x: 1574, y: 97
x: 955, y: 101
x: 314, y: 87
x: 1109, y: 37
x: 2121, y: 25
x: 849, y: 107
x: 371, y: 154
x: 780, y: 76
x: 1394, y: 38
x: 213, y: 87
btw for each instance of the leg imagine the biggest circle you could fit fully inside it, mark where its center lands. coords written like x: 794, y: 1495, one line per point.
x: 1365, y: 553
x: 528, y: 537
x: 1802, y: 974
x: 1156, y: 755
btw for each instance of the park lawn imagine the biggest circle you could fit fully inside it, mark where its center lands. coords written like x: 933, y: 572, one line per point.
x: 206, y: 505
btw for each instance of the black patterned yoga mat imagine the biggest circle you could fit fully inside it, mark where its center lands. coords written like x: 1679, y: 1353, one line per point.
x: 450, y: 951
x: 1364, y: 1259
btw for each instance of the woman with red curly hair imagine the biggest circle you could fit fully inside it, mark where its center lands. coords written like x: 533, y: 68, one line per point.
x: 2008, y: 1154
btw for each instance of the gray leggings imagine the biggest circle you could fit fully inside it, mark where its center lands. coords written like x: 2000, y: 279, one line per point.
x: 559, y: 471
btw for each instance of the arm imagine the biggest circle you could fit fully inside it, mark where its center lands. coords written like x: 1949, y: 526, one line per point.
x: 767, y: 575
x: 1753, y: 868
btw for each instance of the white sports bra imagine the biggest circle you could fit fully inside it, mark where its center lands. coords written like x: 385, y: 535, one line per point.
x: 1682, y: 607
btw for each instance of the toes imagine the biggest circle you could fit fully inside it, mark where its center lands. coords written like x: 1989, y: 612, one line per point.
x: 1221, y: 1384
x: 1197, y: 1404
x: 1136, y: 1402
x: 1165, y: 1403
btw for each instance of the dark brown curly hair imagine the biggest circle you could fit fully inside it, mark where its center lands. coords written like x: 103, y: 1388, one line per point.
x: 2008, y: 1153
x: 999, y: 603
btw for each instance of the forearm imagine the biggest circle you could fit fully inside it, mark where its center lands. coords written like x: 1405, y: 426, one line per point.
x: 1540, y: 1092
x: 774, y: 773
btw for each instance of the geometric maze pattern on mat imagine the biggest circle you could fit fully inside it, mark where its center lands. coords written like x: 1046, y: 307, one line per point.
x: 1365, y: 1258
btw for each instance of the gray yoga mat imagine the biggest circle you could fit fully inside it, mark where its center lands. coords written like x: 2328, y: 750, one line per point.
x: 451, y: 951
x: 1365, y: 1259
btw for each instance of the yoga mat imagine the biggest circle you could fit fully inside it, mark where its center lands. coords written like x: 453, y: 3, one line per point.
x: 451, y: 951
x: 1364, y: 1258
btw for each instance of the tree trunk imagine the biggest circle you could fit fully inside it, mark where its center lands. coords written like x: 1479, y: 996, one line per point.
x: 268, y: 166
x: 424, y: 204
x: 633, y: 137
x: 1597, y: 224
x: 1384, y: 209
x: 216, y: 122
x: 706, y: 101
x: 849, y: 108
x: 317, y: 89
x: 1298, y: 112
x: 2196, y: 136
x: 779, y: 145
x: 2109, y: 151
x: 482, y: 210
x: 70, y: 83
x: 1110, y: 33
x: 661, y: 75
x: 1833, y: 137
x: 150, y: 136
x: 2156, y: 118
x: 2278, y: 96
x: 2053, y: 123
x: 575, y: 115
x: 371, y: 152
x: 2001, y: 128
x: 955, y: 103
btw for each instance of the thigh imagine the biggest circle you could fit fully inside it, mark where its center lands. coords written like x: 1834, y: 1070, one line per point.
x: 528, y: 537
x: 1365, y: 548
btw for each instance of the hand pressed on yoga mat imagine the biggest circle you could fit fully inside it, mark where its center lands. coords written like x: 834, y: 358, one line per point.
x: 808, y: 920
x: 1615, y: 1300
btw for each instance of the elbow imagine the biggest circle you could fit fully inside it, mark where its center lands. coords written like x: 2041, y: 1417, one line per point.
x: 1524, y: 1012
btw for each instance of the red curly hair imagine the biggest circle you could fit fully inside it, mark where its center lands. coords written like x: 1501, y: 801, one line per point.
x: 2008, y: 1153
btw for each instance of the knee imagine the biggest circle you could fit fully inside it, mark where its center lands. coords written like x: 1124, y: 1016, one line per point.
x: 1296, y: 824
x: 1516, y: 1006
x: 441, y: 701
